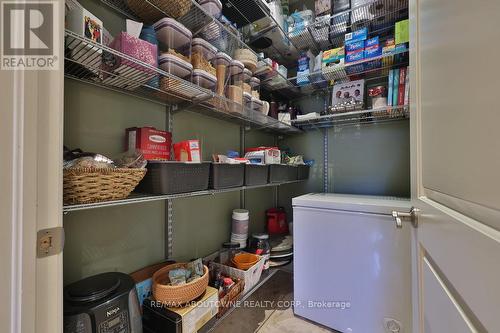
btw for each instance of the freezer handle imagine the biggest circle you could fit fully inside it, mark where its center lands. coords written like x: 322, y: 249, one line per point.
x: 411, y: 216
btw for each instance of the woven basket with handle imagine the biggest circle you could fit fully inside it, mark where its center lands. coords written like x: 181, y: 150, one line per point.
x: 88, y: 185
x: 174, y: 296
x: 153, y: 10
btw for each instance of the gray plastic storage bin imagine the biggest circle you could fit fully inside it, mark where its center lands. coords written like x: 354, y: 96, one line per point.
x: 164, y: 177
x: 256, y: 174
x: 226, y: 175
x: 303, y: 172
x: 279, y: 173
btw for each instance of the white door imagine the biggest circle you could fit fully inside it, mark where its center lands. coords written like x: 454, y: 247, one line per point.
x: 31, y: 113
x: 456, y: 160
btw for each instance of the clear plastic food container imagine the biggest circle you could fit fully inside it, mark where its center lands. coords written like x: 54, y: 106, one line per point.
x: 204, y: 79
x: 174, y: 65
x: 173, y: 34
x: 205, y: 48
x: 221, y: 61
x: 212, y: 7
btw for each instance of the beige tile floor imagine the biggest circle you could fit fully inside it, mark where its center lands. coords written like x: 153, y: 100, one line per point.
x: 285, y: 321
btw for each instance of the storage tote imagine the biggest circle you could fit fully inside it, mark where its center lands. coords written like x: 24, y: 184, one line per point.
x: 251, y: 276
x: 165, y: 177
x: 256, y: 174
x: 226, y: 175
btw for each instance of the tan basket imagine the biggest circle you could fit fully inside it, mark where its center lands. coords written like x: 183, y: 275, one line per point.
x: 88, y: 185
x: 175, y: 296
x: 150, y: 14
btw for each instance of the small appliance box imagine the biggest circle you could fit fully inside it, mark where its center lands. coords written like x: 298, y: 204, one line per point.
x: 188, y: 319
x: 150, y: 142
x: 188, y: 151
x: 344, y: 92
x: 264, y: 155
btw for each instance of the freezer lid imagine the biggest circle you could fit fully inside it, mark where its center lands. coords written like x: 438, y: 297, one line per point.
x: 353, y: 203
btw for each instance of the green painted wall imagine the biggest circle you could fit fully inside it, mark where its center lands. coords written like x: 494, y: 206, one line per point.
x: 129, y: 237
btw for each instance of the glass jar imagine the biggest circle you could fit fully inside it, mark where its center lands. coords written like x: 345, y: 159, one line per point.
x: 260, y: 245
x: 227, y: 252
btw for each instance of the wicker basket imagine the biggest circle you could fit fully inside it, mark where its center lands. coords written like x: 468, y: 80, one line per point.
x: 150, y: 14
x: 228, y: 301
x: 88, y: 185
x: 175, y: 296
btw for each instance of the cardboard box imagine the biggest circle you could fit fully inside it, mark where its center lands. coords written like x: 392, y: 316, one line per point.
x: 354, y: 56
x: 188, y: 151
x: 344, y: 92
x: 333, y: 58
x: 188, y: 319
x: 372, y: 52
x: 81, y: 21
x: 322, y: 7
x: 355, y: 46
x: 153, y: 144
x: 361, y: 34
x: 251, y: 276
x: 372, y: 42
x: 264, y: 155
x: 402, y: 32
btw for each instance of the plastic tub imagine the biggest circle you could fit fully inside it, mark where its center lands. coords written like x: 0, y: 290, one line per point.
x: 227, y: 175
x: 256, y: 174
x: 247, y: 57
x: 303, y: 172
x: 257, y: 104
x: 279, y: 173
x: 212, y: 7
x: 172, y: 33
x: 164, y: 177
x: 204, y: 79
x: 174, y: 65
x: 202, y: 46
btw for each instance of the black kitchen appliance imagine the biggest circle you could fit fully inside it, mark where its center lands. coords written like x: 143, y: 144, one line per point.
x: 104, y: 303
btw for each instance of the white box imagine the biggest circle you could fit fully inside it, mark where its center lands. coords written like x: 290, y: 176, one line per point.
x: 250, y: 276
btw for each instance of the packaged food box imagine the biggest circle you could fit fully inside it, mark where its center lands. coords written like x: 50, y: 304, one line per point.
x: 355, y: 56
x: 152, y: 143
x: 187, y: 319
x: 136, y: 48
x: 188, y: 151
x: 333, y: 57
x: 360, y: 34
x: 264, y: 155
x: 345, y: 92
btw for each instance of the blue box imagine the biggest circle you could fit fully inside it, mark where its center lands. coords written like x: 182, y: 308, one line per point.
x: 372, y: 42
x: 354, y: 46
x: 355, y: 56
x: 360, y: 34
x: 373, y: 52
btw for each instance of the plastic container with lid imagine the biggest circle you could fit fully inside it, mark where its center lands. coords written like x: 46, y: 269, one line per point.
x: 175, y: 65
x: 235, y: 88
x: 259, y: 244
x: 205, y: 48
x: 247, y: 76
x: 204, y: 79
x: 221, y: 61
x: 173, y: 34
x: 255, y: 84
x: 257, y: 104
x: 212, y: 7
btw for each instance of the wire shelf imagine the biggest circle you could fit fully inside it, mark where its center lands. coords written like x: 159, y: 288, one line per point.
x: 366, y: 68
x: 90, y: 62
x: 360, y: 117
x: 135, y: 198
x: 328, y: 32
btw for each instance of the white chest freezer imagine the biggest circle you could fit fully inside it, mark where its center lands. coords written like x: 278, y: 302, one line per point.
x: 352, y: 266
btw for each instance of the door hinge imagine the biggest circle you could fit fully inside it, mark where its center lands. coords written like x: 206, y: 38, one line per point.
x: 49, y: 242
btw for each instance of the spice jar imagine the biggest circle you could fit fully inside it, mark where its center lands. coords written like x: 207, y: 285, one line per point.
x: 259, y: 244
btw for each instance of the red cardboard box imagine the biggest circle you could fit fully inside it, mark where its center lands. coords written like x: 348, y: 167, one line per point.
x: 150, y: 142
x: 188, y: 151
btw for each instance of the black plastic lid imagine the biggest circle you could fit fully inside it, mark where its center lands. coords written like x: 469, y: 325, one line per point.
x: 230, y: 245
x: 93, y: 288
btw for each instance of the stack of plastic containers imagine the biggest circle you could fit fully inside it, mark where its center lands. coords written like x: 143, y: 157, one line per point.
x: 176, y: 39
x: 234, y: 91
x: 221, y: 62
x: 239, y: 230
x: 204, y: 74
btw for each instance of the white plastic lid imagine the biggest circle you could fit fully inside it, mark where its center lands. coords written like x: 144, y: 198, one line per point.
x: 181, y: 35
x: 236, y: 67
x: 241, y: 214
x: 257, y: 101
x: 247, y: 96
x: 200, y: 45
x: 254, y: 82
x: 204, y: 74
x: 222, y: 59
x: 247, y: 74
x: 260, y: 236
